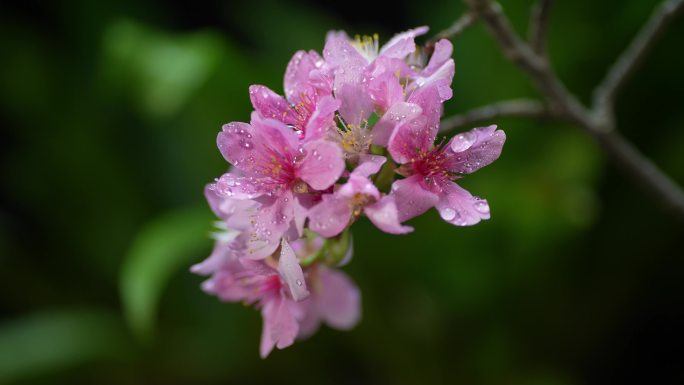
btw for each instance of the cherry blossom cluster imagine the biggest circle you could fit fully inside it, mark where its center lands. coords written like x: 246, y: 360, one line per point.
x: 354, y: 135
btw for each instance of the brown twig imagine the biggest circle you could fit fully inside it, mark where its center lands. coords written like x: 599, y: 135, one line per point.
x: 598, y: 121
x: 539, y: 25
x: 629, y: 60
x: 460, y: 25
x: 508, y: 108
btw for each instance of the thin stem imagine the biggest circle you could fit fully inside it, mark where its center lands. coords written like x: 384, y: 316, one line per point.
x: 630, y: 59
x: 599, y: 121
x: 643, y: 172
x: 539, y: 26
x: 460, y: 25
x: 535, y: 66
x: 508, y: 108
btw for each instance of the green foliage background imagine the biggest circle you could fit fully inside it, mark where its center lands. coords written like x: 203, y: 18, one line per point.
x: 109, y: 113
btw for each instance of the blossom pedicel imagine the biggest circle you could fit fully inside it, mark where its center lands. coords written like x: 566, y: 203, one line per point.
x: 312, y: 162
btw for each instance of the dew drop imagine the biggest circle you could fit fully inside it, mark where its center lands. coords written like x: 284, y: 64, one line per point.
x: 299, y: 282
x: 448, y: 214
x: 462, y: 142
x: 482, y: 207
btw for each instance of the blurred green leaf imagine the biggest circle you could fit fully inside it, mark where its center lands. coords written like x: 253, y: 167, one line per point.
x: 39, y: 343
x: 160, y: 249
x: 164, y: 69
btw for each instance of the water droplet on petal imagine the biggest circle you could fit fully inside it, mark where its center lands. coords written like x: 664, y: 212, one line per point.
x: 482, y: 206
x: 299, y: 282
x: 462, y: 142
x: 447, y: 214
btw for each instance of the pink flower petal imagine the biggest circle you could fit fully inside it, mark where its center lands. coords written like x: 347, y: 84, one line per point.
x: 275, y: 135
x: 338, y: 50
x: 339, y: 300
x: 385, y: 90
x: 430, y: 99
x: 410, y: 138
x: 297, y: 74
x: 322, y: 165
x: 433, y: 84
x: 330, y: 217
x: 220, y: 255
x: 312, y: 319
x: 280, y: 325
x: 236, y: 187
x: 269, y: 104
x: 440, y: 56
x: 322, y: 118
x: 399, y: 113
x: 369, y: 164
x: 268, y: 224
x: 291, y: 272
x: 385, y: 216
x: 239, y: 213
x: 403, y: 43
x: 458, y: 207
x: 358, y: 184
x: 237, y: 143
x: 441, y: 79
x: 411, y: 197
x: 356, y: 104
x: 214, y: 199
x: 472, y: 150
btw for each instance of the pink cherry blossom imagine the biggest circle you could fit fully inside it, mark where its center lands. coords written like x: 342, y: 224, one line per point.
x: 276, y: 289
x: 430, y: 171
x: 333, y: 214
x: 280, y: 290
x: 309, y: 106
x: 353, y: 62
x: 399, y: 93
x: 278, y: 172
x: 301, y: 173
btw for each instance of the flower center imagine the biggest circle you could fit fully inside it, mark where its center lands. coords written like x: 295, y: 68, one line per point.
x: 429, y: 164
x: 275, y: 168
x: 367, y: 46
x: 358, y: 202
x: 354, y: 139
x: 298, y: 114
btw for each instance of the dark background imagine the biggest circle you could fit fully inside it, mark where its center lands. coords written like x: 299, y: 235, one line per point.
x: 109, y: 114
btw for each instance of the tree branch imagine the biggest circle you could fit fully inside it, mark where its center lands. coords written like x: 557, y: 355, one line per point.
x: 535, y: 66
x: 539, y: 25
x: 460, y: 25
x: 630, y: 59
x: 598, y: 122
x: 508, y: 108
x: 643, y: 172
